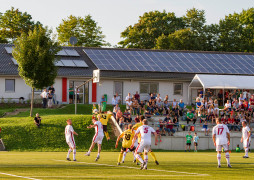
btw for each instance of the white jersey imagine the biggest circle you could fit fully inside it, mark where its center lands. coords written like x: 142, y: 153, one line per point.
x: 69, y: 134
x: 220, y: 131
x: 98, y: 128
x: 145, y: 132
x: 245, y: 132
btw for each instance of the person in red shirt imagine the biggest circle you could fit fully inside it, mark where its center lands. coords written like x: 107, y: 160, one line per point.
x: 224, y: 119
x: 252, y: 101
x: 137, y: 96
x: 231, y: 123
x: 245, y: 105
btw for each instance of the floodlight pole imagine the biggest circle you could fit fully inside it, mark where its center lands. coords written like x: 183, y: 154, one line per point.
x: 76, y: 90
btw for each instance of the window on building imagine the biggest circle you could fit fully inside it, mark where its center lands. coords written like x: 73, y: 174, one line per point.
x: 178, y: 89
x: 9, y: 85
x: 146, y: 88
x: 118, y: 88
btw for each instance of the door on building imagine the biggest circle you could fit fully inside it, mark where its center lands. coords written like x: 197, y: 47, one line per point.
x: 82, y: 93
x: 118, y: 88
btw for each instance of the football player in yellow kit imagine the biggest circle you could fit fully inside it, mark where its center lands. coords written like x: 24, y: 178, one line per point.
x: 104, y: 118
x: 127, y: 137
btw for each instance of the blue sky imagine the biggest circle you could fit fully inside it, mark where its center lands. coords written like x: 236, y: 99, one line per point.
x: 115, y: 15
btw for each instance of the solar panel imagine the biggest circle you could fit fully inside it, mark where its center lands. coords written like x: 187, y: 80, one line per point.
x: 8, y: 49
x: 158, y: 61
x: 14, y: 61
x: 71, y: 52
x: 61, y: 53
x: 58, y: 63
x: 80, y: 63
x: 69, y: 63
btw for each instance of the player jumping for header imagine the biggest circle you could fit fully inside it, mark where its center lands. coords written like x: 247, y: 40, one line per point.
x: 221, y: 138
x: 145, y: 144
x: 246, y: 138
x: 69, y: 132
x: 98, y: 137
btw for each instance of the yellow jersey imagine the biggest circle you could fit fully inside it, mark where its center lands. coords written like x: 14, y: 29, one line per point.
x: 135, y: 127
x: 105, y: 118
x: 127, y: 138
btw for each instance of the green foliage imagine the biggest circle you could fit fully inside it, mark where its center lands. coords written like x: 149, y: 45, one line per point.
x: 35, y: 53
x: 86, y: 30
x: 13, y: 23
x: 149, y: 27
x: 22, y: 134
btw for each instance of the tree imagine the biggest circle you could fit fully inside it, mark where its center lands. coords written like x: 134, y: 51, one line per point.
x: 35, y: 53
x: 86, y: 30
x: 236, y: 32
x: 150, y: 26
x: 14, y: 22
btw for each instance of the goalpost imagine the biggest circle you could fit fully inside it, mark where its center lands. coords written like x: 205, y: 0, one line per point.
x: 95, y: 79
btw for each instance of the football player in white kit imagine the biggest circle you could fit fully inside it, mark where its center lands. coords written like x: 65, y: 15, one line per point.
x: 246, y: 138
x: 69, y: 132
x: 221, y: 138
x: 98, y: 137
x: 145, y: 143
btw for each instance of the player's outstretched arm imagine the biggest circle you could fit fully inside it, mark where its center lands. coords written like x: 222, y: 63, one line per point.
x: 133, y: 140
x: 118, y: 138
x: 75, y: 133
x: 156, y: 138
x: 228, y: 136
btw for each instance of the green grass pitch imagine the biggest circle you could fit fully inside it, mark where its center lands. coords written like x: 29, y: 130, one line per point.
x: 173, y: 165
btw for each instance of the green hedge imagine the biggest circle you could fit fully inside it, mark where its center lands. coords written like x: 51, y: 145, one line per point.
x: 21, y: 134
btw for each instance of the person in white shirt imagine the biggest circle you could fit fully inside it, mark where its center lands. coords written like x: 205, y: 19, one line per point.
x: 145, y: 143
x: 241, y: 99
x: 246, y: 138
x: 69, y: 136
x: 44, y: 96
x: 98, y: 137
x: 118, y: 98
x: 114, y: 101
x: 128, y: 97
x: 244, y: 94
x: 227, y: 106
x: 221, y: 138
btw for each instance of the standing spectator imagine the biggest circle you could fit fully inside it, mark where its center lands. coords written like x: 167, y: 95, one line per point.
x: 129, y: 105
x: 44, y: 96
x: 116, y: 109
x: 53, y: 93
x: 103, y: 103
x: 181, y: 107
x: 114, y: 101
x: 37, y: 120
x: 158, y: 133
x: 50, y: 99
x: 128, y: 97
x: 135, y: 107
x: 188, y: 139
x: 137, y: 96
x: 119, y: 115
x: 71, y: 94
x: 205, y: 128
x: 118, y: 99
x: 195, y: 140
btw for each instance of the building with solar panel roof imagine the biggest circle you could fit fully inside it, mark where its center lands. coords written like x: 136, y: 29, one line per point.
x: 126, y: 71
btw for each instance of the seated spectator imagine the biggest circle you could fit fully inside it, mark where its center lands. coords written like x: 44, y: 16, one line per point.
x: 114, y: 101
x: 128, y: 97
x: 176, y: 121
x: 174, y: 105
x: 181, y: 107
x: 198, y: 105
x: 236, y: 106
x: 153, y: 108
x: 115, y: 109
x: 158, y: 132
x: 129, y: 105
x: 158, y: 98
x: 170, y: 128
x: 227, y: 106
x: 167, y: 118
x: 126, y: 113
x: 161, y: 126
x: 119, y: 114
x: 203, y: 117
x: 190, y: 117
x: 121, y: 122
x: 135, y: 107
x: 148, y: 114
x: 137, y: 118
x: 118, y: 99
x: 224, y: 120
x: 37, y: 120
x: 210, y: 112
x: 152, y: 97
x: 128, y: 119
x: 251, y: 102
x: 245, y: 105
x: 149, y: 106
x: 210, y: 102
x: 216, y: 108
x: 142, y: 107
x: 231, y: 123
x: 166, y: 98
x: 205, y: 128
x: 237, y: 123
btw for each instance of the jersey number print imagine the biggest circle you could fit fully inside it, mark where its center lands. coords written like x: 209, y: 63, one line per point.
x: 127, y: 137
x: 220, y: 130
x: 146, y: 130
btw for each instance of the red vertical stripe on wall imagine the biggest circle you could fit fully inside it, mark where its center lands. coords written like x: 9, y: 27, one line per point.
x: 64, y: 89
x: 94, y: 92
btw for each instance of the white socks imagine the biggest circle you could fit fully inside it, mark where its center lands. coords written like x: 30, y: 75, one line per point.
x: 124, y: 155
x: 97, y: 154
x: 74, y: 154
x: 146, y: 159
x: 227, y: 157
x: 139, y: 158
x: 69, y: 152
x: 218, y: 158
x: 134, y: 155
x: 246, y: 152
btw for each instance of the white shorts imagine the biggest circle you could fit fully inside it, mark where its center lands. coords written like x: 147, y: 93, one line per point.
x: 219, y: 147
x: 246, y: 144
x: 98, y: 139
x: 71, y: 144
x: 143, y: 147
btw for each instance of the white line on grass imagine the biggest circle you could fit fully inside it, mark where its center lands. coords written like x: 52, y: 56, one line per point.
x: 195, y: 174
x: 91, y: 176
x: 18, y: 176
